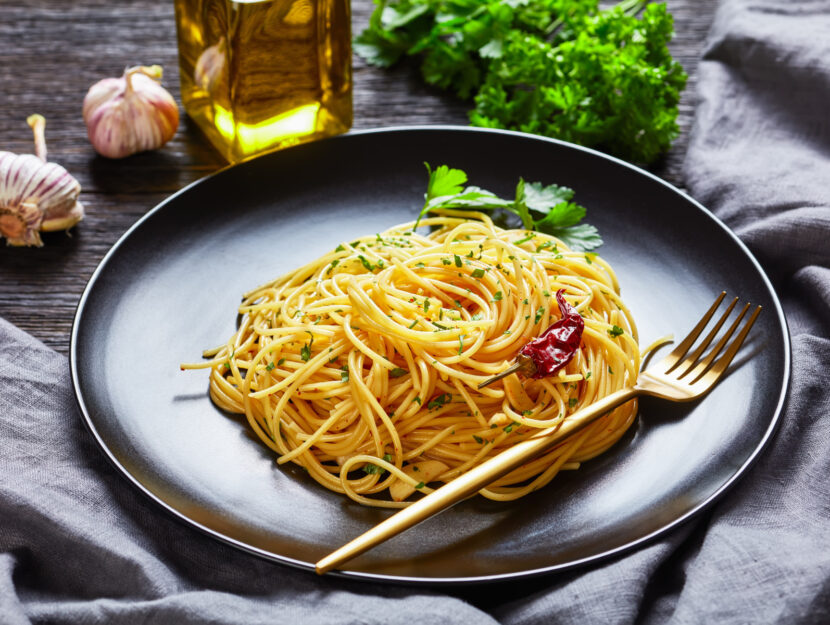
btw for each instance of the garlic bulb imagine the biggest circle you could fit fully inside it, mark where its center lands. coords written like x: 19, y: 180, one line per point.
x: 36, y: 196
x: 130, y: 114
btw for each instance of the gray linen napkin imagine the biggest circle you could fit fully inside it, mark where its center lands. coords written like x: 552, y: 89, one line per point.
x: 78, y: 545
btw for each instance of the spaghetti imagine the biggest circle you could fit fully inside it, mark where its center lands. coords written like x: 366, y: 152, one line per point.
x: 363, y: 365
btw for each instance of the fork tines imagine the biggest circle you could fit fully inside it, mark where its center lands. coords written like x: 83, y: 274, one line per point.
x: 693, y: 363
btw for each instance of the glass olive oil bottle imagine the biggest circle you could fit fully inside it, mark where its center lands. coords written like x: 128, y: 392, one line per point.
x: 258, y: 75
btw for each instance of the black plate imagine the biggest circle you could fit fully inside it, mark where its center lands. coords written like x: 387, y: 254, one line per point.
x: 169, y: 288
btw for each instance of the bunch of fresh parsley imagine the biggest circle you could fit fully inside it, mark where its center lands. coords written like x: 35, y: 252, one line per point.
x: 543, y: 208
x: 561, y: 68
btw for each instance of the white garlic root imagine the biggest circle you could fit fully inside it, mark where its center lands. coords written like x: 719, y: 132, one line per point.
x: 36, y: 196
x: 130, y: 114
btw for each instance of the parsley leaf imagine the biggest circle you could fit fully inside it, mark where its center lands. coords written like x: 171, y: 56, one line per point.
x: 444, y: 181
x: 542, y: 198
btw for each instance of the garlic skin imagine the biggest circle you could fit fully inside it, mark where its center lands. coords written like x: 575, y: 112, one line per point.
x: 210, y: 66
x: 36, y: 196
x: 130, y: 114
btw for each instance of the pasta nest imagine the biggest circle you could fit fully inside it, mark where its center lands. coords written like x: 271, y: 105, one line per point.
x: 362, y: 366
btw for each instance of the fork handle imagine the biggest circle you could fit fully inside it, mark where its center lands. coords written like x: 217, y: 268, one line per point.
x: 474, y: 480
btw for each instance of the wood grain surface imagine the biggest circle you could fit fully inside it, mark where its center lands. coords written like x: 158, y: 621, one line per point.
x: 54, y: 50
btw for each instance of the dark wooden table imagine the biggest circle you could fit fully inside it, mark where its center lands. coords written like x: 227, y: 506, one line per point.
x: 55, y: 49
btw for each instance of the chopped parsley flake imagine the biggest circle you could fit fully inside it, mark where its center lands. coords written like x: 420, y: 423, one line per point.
x: 457, y: 260
x: 439, y: 401
x: 419, y: 485
x: 615, y: 331
x: 344, y: 373
x: 478, y: 273
x: 369, y: 266
x: 478, y: 439
x: 540, y: 312
x: 305, y: 351
x: 497, y: 296
x: 270, y: 366
x: 398, y: 372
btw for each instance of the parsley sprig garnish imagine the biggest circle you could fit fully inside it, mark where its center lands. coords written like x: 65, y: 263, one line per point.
x: 544, y: 208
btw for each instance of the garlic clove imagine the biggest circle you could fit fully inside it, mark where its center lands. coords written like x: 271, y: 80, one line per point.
x: 210, y: 66
x: 130, y: 114
x: 425, y: 472
x: 36, y: 196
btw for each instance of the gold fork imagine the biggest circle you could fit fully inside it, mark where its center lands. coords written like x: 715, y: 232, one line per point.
x: 685, y: 374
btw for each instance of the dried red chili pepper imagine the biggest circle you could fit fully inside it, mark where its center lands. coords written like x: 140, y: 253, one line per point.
x: 548, y: 353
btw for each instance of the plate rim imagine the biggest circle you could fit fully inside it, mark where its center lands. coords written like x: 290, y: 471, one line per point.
x: 308, y: 567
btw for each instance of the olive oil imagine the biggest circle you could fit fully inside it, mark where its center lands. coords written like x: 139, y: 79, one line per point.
x: 262, y: 75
